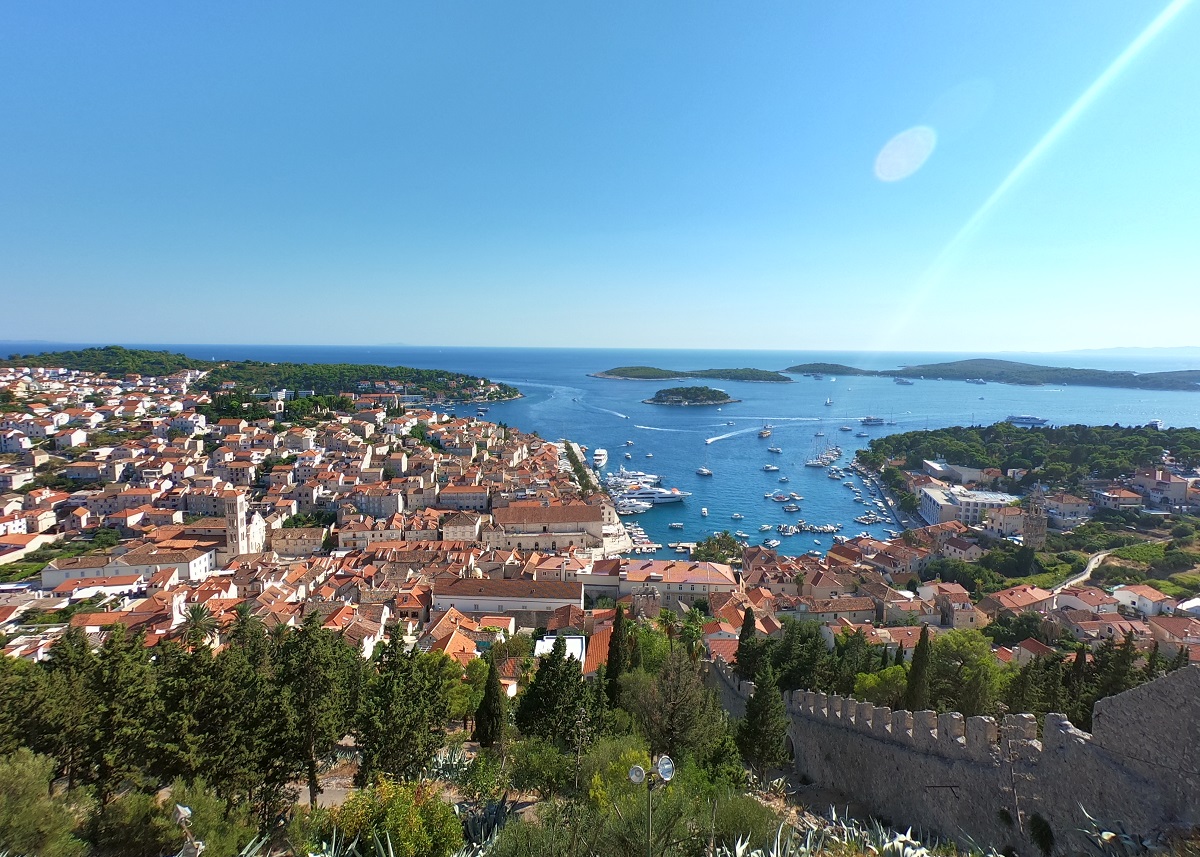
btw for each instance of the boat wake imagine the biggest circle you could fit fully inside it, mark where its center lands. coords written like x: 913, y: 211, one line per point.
x: 607, y: 411
x: 731, y: 434
x: 656, y: 428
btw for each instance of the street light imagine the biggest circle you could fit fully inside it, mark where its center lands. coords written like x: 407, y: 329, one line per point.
x: 665, y: 771
x: 193, y: 847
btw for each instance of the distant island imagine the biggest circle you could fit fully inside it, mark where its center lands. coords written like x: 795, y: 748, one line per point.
x: 1010, y: 372
x: 247, y: 377
x: 650, y: 373
x: 685, y: 396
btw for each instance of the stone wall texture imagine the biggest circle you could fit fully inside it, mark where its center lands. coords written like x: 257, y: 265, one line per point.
x: 973, y: 779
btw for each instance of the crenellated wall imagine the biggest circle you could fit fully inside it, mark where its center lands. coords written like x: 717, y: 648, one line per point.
x: 961, y: 777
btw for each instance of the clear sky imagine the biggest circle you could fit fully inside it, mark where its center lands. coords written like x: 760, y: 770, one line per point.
x: 667, y: 174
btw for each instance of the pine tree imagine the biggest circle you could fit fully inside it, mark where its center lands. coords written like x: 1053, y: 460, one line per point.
x: 552, y: 699
x: 618, y: 654
x: 61, y: 708
x: 122, y: 685
x: 916, y: 697
x: 402, y: 716
x: 761, y: 735
x: 489, y: 718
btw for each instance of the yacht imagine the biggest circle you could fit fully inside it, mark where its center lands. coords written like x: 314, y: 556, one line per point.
x: 871, y: 421
x: 1156, y: 424
x: 600, y: 457
x: 903, y: 382
x: 979, y: 381
x: 653, y: 494
x: 775, y: 449
x: 703, y: 471
x: 770, y: 468
x: 649, y: 454
x: 1025, y: 420
x: 638, y: 476
x: 676, y: 525
x: 632, y: 507
x: 737, y: 516
x: 791, y: 507
x: 784, y: 479
x: 862, y: 434
x: 628, y: 456
x: 845, y: 428
x: 742, y: 535
x: 772, y: 543
x: 704, y: 511
x: 629, y: 443
x: 765, y: 528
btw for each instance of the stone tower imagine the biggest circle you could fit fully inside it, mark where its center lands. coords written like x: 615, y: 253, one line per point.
x: 1033, y: 528
x: 236, y: 535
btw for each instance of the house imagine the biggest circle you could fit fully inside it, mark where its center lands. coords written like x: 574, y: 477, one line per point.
x: 1118, y: 499
x: 1086, y: 598
x: 956, y: 548
x: 1066, y: 510
x: 1144, y: 600
x: 854, y: 609
x: 1173, y: 632
x: 1160, y: 487
x: 532, y: 525
x: 1017, y: 600
x: 533, y: 600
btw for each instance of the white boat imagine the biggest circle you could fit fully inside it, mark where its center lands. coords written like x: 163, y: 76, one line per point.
x: 653, y: 494
x: 1156, y: 424
x: 772, y: 543
x: 600, y: 457
x: 775, y: 450
x: 861, y: 434
x: 675, y: 526
x: 737, y: 516
x: 704, y: 511
x: 1025, y: 420
x: 629, y: 443
x: 770, y: 468
x: 871, y: 421
x: 649, y: 454
x: 742, y: 535
x: 783, y: 479
x: 703, y: 471
x: 631, y: 476
x: 627, y: 455
x: 765, y: 528
x: 829, y: 403
x: 791, y: 507
x: 845, y: 428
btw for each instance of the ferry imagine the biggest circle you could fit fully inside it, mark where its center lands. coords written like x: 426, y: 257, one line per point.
x: 600, y: 457
x: 1025, y: 420
x: 871, y: 421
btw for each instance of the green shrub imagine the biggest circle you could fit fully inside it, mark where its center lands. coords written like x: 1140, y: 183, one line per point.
x: 32, y: 822
x: 414, y: 816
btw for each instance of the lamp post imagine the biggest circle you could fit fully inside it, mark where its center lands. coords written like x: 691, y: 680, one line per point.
x: 193, y: 847
x: 665, y: 770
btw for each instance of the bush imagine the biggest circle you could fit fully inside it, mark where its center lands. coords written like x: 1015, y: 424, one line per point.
x: 412, y: 815
x: 138, y: 824
x: 32, y: 822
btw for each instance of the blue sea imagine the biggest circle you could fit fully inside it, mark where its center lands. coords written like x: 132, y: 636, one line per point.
x: 561, y: 400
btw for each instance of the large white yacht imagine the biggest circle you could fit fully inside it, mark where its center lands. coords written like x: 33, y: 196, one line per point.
x: 600, y: 457
x: 653, y: 494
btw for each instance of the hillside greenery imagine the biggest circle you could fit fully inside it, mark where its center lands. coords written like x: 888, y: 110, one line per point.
x: 690, y: 396
x: 1012, y: 372
x: 1062, y: 456
x: 258, y: 376
x: 650, y: 373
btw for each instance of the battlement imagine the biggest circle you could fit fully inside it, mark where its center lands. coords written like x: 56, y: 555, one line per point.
x: 962, y: 776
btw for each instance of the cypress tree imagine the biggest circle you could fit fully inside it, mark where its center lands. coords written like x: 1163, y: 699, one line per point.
x: 618, y: 653
x: 761, y: 734
x: 489, y: 718
x: 748, y: 649
x: 916, y: 696
x: 1180, y: 660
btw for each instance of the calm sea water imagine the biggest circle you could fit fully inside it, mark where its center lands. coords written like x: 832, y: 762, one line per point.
x: 562, y: 401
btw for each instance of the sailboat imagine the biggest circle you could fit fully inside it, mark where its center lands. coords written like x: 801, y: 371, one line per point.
x: 829, y: 403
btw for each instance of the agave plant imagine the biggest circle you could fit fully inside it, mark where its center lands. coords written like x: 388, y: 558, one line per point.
x: 1113, y: 840
x: 447, y: 764
x: 482, y: 823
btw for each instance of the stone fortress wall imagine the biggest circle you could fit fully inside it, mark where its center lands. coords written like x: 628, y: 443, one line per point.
x: 975, y: 779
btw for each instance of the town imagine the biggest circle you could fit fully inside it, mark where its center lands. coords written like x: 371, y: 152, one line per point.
x: 402, y: 527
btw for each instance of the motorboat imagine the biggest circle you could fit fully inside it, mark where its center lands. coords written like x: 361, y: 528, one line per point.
x: 791, y: 507
x: 784, y: 479
x: 861, y: 434
x: 704, y: 511
x: 737, y: 516
x: 629, y: 443
x: 675, y: 525
x: 765, y: 528
x: 775, y: 449
x: 845, y: 428
x: 627, y: 455
x: 649, y: 454
x: 703, y: 471
x: 770, y: 468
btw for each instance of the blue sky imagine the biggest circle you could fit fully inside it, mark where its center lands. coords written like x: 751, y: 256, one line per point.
x: 667, y: 174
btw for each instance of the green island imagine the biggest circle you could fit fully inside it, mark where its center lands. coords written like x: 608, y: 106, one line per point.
x: 323, y: 379
x: 1011, y: 372
x: 650, y: 373
x: 685, y: 396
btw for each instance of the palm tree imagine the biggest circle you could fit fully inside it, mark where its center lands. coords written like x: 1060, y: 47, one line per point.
x: 668, y: 624
x: 198, y: 625
x: 246, y: 625
x: 692, y: 632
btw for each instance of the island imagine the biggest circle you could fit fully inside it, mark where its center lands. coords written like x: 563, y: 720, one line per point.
x: 650, y: 373
x: 1012, y: 372
x: 248, y: 379
x: 688, y: 396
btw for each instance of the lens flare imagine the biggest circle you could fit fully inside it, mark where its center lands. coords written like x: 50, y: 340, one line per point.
x: 905, y: 153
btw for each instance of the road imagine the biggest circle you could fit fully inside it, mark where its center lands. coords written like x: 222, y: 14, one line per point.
x: 1093, y: 563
